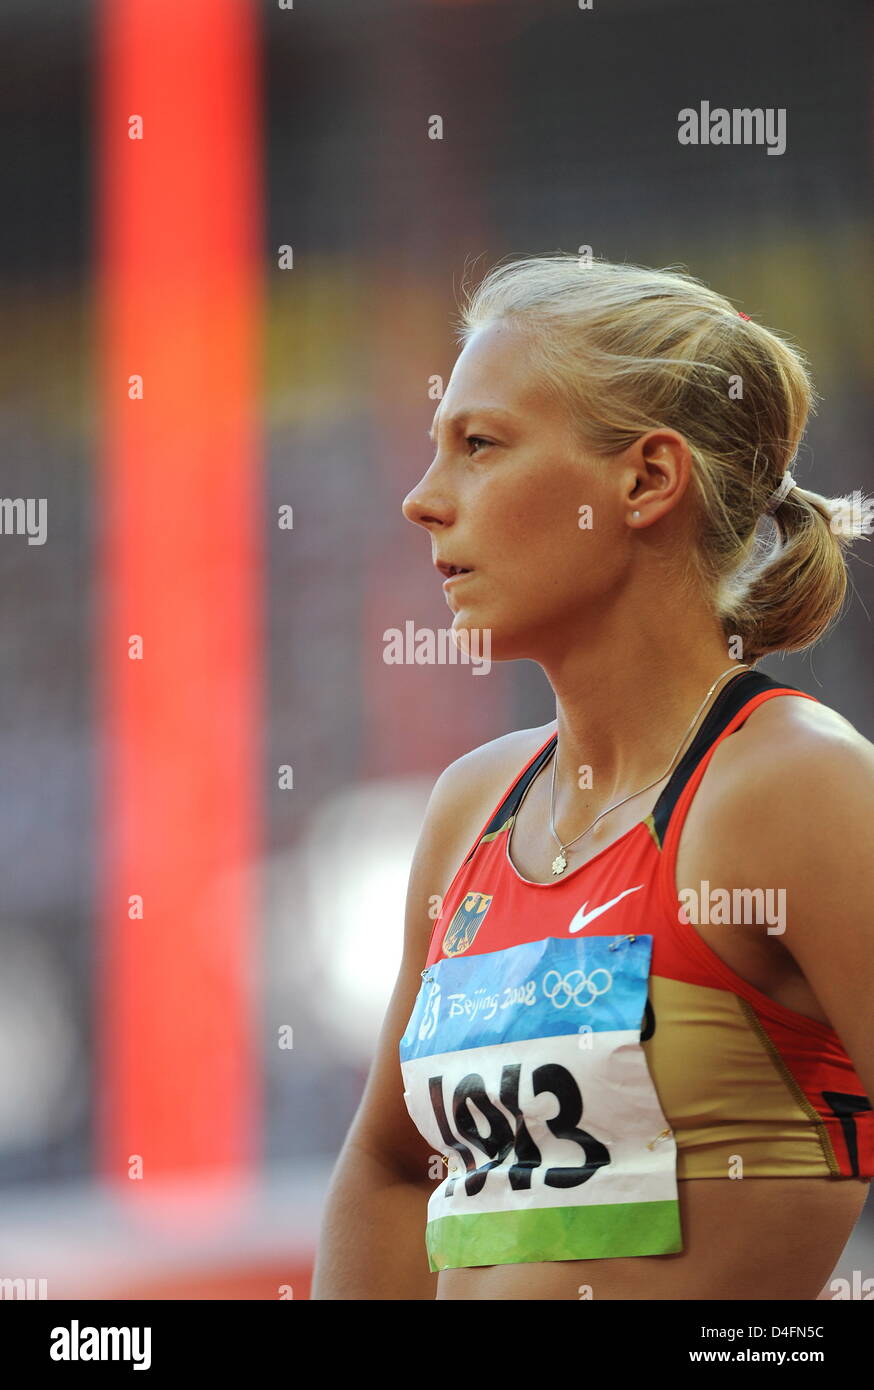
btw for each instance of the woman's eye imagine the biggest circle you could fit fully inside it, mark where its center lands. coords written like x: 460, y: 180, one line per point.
x: 475, y: 439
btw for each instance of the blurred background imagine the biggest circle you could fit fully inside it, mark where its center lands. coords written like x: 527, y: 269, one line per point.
x: 219, y: 334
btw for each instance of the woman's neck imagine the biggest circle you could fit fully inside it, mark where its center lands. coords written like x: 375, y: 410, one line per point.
x: 624, y: 705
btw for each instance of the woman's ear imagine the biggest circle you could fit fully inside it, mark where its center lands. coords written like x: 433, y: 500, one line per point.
x: 657, y: 472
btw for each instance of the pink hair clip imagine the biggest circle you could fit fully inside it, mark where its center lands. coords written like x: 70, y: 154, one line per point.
x: 742, y: 315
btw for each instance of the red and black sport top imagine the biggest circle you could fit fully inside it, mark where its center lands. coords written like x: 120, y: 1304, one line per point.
x: 742, y: 1080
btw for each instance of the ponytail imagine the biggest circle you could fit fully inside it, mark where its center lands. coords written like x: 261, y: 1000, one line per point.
x: 792, y: 590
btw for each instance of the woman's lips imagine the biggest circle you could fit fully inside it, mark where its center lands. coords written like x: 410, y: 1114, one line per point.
x: 454, y: 578
x: 450, y: 571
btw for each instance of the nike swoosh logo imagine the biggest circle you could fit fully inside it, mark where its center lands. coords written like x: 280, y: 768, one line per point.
x: 582, y: 918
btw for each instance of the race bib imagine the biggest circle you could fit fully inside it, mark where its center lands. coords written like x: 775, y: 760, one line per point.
x: 524, y: 1068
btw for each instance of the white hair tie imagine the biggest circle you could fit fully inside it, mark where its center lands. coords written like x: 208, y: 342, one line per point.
x: 780, y: 493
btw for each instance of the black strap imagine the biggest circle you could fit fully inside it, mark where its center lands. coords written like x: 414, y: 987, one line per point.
x: 727, y: 704
x: 510, y: 804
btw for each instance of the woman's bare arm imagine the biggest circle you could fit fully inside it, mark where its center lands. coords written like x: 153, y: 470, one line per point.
x: 794, y: 812
x: 372, y: 1243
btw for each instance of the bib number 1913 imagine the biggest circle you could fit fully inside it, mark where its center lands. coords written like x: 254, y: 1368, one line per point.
x: 501, y: 1139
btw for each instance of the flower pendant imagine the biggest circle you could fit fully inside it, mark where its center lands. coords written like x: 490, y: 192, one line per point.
x: 559, y: 863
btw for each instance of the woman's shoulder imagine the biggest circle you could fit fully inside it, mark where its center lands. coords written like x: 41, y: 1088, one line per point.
x: 468, y: 790
x: 791, y: 810
x: 501, y: 758
x: 794, y: 775
x: 796, y: 740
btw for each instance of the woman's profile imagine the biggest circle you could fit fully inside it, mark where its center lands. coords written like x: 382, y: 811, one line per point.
x: 632, y: 1056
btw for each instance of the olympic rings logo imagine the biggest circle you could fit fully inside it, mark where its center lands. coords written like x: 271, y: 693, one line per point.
x: 568, y: 989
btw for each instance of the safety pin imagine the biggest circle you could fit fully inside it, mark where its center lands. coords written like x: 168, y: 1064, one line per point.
x: 619, y: 940
x: 665, y: 1134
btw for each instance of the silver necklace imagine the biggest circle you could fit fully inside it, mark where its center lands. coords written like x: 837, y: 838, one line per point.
x: 559, y: 863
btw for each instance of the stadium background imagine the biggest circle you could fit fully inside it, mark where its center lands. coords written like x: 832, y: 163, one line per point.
x: 222, y: 1039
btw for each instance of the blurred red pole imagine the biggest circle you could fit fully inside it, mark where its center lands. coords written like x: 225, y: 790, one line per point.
x: 179, y: 305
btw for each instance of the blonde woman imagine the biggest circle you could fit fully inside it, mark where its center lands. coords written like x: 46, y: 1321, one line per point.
x: 632, y: 1057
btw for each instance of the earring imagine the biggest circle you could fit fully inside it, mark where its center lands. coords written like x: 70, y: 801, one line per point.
x: 635, y: 516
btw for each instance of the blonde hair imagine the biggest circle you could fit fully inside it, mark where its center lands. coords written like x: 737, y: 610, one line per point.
x: 626, y: 350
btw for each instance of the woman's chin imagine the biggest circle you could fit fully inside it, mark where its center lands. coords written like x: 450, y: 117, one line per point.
x: 498, y: 640
x: 481, y: 641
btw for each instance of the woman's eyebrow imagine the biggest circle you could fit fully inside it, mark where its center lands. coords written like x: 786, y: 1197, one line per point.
x: 457, y: 421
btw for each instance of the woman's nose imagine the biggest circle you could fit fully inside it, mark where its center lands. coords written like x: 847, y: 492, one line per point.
x: 426, y: 508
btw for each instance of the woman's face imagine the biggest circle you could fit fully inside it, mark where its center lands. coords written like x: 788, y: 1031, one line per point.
x: 502, y: 500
